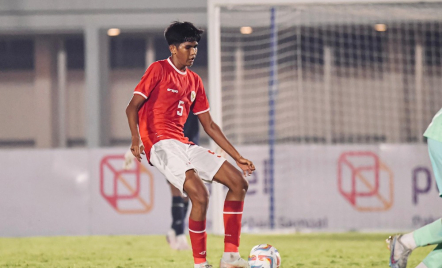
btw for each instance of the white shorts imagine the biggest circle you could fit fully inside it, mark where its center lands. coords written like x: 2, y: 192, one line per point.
x: 173, y: 158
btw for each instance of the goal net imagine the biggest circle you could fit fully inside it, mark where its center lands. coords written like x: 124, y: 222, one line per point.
x: 301, y: 85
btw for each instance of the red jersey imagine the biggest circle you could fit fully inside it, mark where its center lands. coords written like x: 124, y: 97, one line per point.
x: 170, y: 94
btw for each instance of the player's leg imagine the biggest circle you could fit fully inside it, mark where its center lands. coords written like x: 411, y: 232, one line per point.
x: 186, y: 208
x: 176, y: 237
x: 171, y: 159
x: 183, y: 204
x: 198, y: 194
x: 433, y: 260
x: 401, y: 246
x: 231, y: 177
x: 210, y: 167
x: 430, y: 234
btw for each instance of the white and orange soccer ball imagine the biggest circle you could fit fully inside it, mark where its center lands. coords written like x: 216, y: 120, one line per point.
x: 264, y: 256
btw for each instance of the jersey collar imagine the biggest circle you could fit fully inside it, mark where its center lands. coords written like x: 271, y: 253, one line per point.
x: 176, y: 69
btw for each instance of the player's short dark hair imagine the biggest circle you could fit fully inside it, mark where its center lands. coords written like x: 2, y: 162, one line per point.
x: 180, y: 32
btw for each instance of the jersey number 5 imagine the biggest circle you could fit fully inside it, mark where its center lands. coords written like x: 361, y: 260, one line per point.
x: 180, y: 108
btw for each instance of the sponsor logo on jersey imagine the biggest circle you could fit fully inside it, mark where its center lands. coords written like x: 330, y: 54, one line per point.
x: 172, y: 90
x: 192, y: 96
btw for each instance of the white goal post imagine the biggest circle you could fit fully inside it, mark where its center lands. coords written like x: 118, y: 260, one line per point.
x: 329, y: 132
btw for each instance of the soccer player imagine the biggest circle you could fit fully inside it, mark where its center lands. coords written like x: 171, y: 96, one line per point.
x: 401, y: 246
x: 175, y: 236
x: 180, y: 203
x: 156, y: 115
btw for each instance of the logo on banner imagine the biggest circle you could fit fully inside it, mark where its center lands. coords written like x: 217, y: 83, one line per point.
x: 127, y: 191
x: 365, y: 181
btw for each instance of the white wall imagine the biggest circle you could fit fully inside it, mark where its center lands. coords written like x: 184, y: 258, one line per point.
x: 71, y: 192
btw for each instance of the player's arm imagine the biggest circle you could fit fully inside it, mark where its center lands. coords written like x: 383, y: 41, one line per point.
x: 214, y: 131
x: 132, y: 109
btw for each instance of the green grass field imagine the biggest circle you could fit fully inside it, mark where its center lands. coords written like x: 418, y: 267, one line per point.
x: 297, y: 250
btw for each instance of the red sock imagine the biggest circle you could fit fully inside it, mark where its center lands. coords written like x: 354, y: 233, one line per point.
x: 198, y: 238
x: 232, y: 224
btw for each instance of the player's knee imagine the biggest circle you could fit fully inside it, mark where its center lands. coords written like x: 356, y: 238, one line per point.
x: 244, y: 184
x: 200, y: 199
x: 241, y: 184
x: 196, y: 190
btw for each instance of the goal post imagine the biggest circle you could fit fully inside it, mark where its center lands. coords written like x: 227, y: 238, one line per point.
x: 321, y: 72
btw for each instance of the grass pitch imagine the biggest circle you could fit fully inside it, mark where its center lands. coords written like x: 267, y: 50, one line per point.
x: 297, y: 250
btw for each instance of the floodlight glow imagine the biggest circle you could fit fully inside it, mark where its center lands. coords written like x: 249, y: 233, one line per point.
x: 380, y: 27
x: 113, y: 32
x: 246, y: 30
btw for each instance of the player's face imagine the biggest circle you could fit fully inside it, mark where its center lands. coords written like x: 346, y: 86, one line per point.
x: 185, y: 53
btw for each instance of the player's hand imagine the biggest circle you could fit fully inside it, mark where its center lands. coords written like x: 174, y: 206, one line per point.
x: 128, y: 160
x: 137, y: 148
x: 246, y: 166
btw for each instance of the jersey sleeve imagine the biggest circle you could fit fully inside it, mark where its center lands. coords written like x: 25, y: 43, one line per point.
x: 150, y: 80
x: 201, y: 104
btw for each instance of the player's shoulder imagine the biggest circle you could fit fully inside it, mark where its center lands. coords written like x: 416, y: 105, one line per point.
x: 157, y: 64
x: 194, y: 75
x: 192, y: 72
x: 155, y: 68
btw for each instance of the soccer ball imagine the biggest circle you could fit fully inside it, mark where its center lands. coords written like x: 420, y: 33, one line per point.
x: 264, y: 256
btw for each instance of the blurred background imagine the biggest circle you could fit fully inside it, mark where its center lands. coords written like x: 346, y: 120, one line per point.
x: 75, y: 63
x: 330, y: 100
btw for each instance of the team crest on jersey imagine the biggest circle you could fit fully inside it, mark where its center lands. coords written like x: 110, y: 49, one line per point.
x: 192, y: 96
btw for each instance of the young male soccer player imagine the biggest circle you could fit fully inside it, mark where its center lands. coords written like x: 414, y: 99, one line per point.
x: 156, y: 115
x: 175, y: 236
x: 401, y: 246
